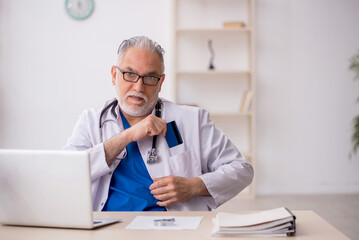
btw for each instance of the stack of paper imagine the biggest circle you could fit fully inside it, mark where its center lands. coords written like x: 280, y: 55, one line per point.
x: 275, y: 222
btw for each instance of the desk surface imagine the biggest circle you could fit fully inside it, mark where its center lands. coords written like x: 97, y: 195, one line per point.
x: 309, y: 226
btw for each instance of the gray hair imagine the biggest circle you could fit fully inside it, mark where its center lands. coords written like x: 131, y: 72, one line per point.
x: 141, y: 42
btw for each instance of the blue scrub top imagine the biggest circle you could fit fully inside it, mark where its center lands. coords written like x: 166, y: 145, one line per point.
x: 129, y: 187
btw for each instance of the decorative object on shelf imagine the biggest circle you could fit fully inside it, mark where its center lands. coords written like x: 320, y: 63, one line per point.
x: 354, y: 66
x: 246, y: 101
x: 211, y: 66
x: 238, y: 24
x: 79, y: 9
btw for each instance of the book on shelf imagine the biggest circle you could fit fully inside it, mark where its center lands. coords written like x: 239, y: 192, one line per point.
x: 246, y: 101
x: 235, y: 24
x: 274, y: 222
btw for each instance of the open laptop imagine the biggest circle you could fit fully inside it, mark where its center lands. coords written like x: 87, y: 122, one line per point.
x: 47, y: 189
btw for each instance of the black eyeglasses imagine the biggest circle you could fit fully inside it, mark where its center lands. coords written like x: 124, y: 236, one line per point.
x: 133, y: 77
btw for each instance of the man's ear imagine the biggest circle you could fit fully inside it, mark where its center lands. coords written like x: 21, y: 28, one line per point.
x: 161, y: 81
x: 113, y: 74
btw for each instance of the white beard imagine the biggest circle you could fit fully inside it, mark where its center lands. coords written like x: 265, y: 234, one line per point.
x: 137, y: 110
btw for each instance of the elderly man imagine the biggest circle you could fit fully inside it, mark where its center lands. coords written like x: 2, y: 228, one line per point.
x: 149, y: 154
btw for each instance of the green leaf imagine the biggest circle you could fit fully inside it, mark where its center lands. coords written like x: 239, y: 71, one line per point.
x: 355, y: 136
x: 354, y: 66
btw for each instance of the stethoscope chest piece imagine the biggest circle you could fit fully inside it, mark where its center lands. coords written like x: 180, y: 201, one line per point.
x: 152, y: 156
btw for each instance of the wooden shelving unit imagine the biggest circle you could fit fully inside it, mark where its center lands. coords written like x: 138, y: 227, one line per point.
x: 221, y: 90
x: 213, y: 30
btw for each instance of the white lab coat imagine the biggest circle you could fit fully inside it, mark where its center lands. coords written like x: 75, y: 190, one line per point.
x: 206, y: 153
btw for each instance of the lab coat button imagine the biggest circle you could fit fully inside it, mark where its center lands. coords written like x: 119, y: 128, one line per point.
x: 110, y: 173
x: 102, y: 204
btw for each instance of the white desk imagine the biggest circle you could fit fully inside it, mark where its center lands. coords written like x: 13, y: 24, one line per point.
x: 310, y: 226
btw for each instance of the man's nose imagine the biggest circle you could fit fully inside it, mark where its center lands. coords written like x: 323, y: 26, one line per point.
x: 138, y: 86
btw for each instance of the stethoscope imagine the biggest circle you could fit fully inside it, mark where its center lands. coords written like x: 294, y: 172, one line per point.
x: 152, y: 154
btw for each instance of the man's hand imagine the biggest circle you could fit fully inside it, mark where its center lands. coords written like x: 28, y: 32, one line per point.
x: 173, y: 189
x: 149, y: 126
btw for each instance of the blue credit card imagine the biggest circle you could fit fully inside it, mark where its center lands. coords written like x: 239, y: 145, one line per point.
x: 173, y: 136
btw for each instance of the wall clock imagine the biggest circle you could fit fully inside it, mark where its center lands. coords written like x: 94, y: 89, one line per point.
x: 79, y: 9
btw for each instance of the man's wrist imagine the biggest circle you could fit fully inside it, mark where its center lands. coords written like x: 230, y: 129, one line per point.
x: 115, y: 146
x: 200, y: 188
x: 125, y: 137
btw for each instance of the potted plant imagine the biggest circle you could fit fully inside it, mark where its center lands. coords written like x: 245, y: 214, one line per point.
x: 354, y: 66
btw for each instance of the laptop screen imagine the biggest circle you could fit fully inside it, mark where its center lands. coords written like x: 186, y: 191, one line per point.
x: 45, y: 188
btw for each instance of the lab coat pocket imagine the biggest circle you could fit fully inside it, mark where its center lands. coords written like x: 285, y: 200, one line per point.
x: 185, y: 165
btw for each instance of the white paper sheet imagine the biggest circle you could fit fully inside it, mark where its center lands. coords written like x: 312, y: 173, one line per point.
x: 147, y: 222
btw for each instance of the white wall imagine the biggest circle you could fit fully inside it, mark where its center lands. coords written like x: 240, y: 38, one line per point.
x: 306, y: 96
x: 53, y: 67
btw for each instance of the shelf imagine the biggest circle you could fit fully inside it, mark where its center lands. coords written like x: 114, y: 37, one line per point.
x: 231, y: 114
x: 213, y: 30
x: 215, y: 72
x: 247, y: 155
